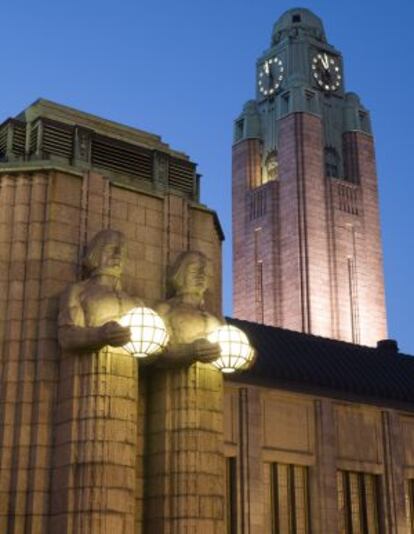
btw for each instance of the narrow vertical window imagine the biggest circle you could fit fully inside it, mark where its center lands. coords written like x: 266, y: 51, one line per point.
x: 353, y: 300
x: 289, y: 498
x: 331, y: 162
x: 259, y: 277
x: 358, y: 503
x: 364, y: 121
x: 259, y: 291
x: 231, y: 495
x: 285, y: 104
x: 239, y: 130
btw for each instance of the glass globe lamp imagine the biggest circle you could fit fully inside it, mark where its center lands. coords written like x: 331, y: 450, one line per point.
x: 236, y: 351
x: 148, y: 332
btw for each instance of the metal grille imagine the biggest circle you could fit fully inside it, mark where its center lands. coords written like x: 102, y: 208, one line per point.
x: 122, y: 157
x: 359, y: 503
x: 181, y: 175
x: 289, y: 499
x: 57, y: 139
x: 348, y: 196
x: 34, y: 135
x: 3, y: 140
x: 257, y: 203
x: 19, y: 138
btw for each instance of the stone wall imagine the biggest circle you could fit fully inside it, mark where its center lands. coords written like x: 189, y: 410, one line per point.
x: 46, y: 219
x: 266, y: 427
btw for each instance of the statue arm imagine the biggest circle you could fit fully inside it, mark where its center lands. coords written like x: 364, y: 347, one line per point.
x: 74, y: 338
x: 200, y: 350
x: 180, y: 353
x: 74, y: 335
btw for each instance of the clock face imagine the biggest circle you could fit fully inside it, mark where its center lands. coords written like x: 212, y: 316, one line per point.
x: 270, y: 76
x: 326, y: 72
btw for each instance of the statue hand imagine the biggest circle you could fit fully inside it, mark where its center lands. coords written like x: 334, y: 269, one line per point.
x: 205, y: 351
x: 114, y: 334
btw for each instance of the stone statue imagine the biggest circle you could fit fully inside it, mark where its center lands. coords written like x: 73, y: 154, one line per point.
x: 100, y: 384
x: 89, y: 309
x: 186, y: 412
x: 185, y: 316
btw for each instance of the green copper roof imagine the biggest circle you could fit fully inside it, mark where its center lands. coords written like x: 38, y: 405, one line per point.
x: 295, y: 20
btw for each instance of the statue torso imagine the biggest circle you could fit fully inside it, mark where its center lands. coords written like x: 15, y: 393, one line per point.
x: 101, y: 304
x: 188, y: 323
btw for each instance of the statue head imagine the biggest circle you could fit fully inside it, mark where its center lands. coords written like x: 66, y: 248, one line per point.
x: 105, y: 254
x: 189, y: 274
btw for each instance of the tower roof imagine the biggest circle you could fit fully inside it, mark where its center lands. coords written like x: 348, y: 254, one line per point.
x: 297, y: 19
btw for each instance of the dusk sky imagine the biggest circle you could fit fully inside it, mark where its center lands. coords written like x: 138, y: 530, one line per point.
x: 183, y: 70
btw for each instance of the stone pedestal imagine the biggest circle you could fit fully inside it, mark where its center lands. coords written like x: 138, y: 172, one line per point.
x: 185, y: 463
x: 93, y: 487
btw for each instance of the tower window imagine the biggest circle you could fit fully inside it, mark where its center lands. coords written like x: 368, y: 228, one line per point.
x: 310, y: 101
x: 296, y: 18
x: 331, y: 163
x: 364, y: 121
x: 285, y: 103
x: 270, y: 172
x: 239, y: 130
x: 331, y: 170
x: 257, y: 204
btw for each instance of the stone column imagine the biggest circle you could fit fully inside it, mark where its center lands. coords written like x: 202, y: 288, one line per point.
x: 251, y: 462
x: 325, y: 505
x: 393, y: 480
x: 185, y: 463
x: 28, y: 351
x: 93, y: 488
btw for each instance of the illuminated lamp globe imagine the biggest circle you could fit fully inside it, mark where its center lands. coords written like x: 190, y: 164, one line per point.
x: 236, y: 351
x: 148, y: 332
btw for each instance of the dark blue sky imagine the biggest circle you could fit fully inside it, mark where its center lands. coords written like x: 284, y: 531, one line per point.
x: 184, y: 68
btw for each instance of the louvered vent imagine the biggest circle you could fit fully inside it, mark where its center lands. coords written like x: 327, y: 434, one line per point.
x: 34, y: 136
x: 57, y: 139
x: 122, y: 157
x: 181, y: 175
x: 3, y: 140
x: 51, y: 138
x: 19, y: 138
x: 348, y: 196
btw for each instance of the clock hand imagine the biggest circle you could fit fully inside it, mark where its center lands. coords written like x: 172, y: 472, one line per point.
x: 325, y: 61
x: 270, y: 76
x: 266, y: 68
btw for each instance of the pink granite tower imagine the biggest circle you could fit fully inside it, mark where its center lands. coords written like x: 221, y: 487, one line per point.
x: 307, y: 245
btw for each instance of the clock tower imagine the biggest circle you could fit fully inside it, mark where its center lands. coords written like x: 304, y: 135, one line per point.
x: 306, y: 231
